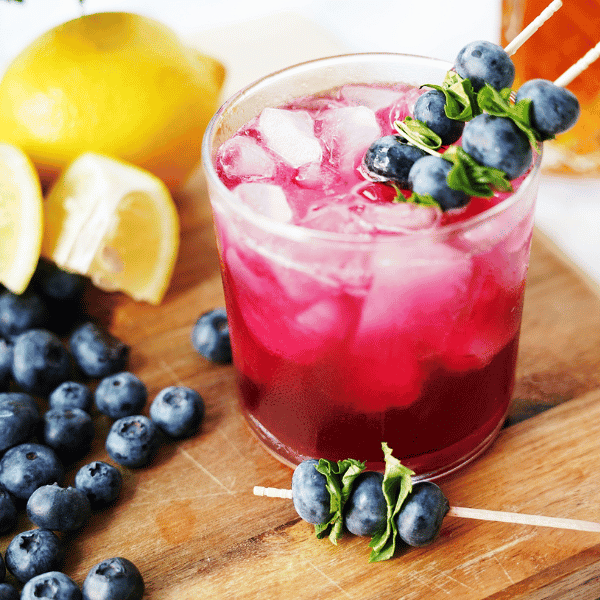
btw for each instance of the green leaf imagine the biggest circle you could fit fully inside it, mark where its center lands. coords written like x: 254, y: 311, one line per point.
x: 498, y: 104
x: 414, y: 198
x: 340, y: 477
x: 418, y: 134
x: 468, y: 176
x: 397, y: 485
x: 461, y: 99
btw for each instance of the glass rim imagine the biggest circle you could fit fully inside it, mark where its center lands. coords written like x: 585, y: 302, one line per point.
x: 298, y: 232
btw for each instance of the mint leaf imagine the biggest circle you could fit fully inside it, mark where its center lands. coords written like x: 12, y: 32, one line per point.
x: 461, y: 99
x: 414, y: 198
x: 468, y: 176
x: 498, y: 104
x: 397, y: 485
x: 419, y: 135
x: 340, y: 477
x: 423, y: 200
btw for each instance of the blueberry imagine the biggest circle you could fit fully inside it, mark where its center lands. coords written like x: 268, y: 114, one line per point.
x: 430, y: 109
x: 6, y: 358
x: 178, y: 411
x: 96, y: 352
x: 62, y: 292
x: 40, y: 361
x: 420, y: 518
x: 120, y: 395
x: 8, y: 512
x: 101, y: 483
x: 483, y: 62
x: 498, y: 143
x: 71, y: 394
x: 57, y: 284
x: 365, y: 512
x: 18, y: 313
x: 57, y: 508
x: 389, y: 158
x: 210, y: 336
x: 9, y: 592
x: 32, y: 553
x: 19, y: 417
x: 132, y: 441
x: 553, y: 109
x: 2, y: 569
x: 53, y: 585
x: 68, y: 431
x: 26, y: 467
x: 113, y: 579
x: 429, y: 176
x: 309, y: 493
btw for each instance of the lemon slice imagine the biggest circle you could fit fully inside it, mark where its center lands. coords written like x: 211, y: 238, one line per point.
x: 20, y: 218
x: 115, y: 223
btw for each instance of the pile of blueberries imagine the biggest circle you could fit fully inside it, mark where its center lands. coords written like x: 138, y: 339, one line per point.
x: 492, y: 141
x: 55, y: 365
x: 365, y: 512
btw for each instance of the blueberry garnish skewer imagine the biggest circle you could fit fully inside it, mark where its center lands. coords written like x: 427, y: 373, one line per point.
x: 414, y: 511
x: 501, y: 126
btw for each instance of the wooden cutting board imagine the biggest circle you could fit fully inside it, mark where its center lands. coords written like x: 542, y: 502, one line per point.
x: 192, y: 526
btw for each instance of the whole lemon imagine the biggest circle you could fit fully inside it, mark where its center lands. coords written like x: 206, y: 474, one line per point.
x: 114, y: 83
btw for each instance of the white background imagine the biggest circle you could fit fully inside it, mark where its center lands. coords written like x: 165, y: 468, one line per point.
x: 433, y: 27
x: 568, y: 210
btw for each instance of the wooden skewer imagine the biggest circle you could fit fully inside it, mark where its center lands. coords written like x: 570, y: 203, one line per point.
x: 522, y: 37
x: 477, y: 513
x: 522, y: 519
x: 581, y: 65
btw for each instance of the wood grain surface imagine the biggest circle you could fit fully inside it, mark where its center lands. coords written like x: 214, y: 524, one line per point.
x: 190, y: 523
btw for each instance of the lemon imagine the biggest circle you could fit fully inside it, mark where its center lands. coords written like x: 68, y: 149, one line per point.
x: 118, y: 84
x: 115, y: 223
x: 20, y: 218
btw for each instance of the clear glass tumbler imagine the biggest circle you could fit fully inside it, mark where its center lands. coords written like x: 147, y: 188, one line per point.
x: 342, y: 341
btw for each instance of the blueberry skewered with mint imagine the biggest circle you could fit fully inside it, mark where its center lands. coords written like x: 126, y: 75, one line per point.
x: 389, y: 158
x: 310, y: 494
x: 420, y: 518
x: 553, y: 109
x: 366, y: 509
x: 483, y: 62
x: 429, y: 176
x: 498, y: 143
x: 430, y: 109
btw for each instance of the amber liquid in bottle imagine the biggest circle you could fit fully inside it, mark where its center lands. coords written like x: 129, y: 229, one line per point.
x: 559, y: 43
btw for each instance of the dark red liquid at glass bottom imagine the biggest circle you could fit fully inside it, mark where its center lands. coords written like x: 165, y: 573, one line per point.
x: 455, y: 417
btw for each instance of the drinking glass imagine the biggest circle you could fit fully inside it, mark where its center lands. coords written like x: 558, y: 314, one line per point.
x: 344, y: 341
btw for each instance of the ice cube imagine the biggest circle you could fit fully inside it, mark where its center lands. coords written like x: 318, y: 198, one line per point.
x: 383, y: 373
x: 486, y: 325
x: 266, y: 199
x: 371, y: 97
x: 290, y: 134
x: 401, y: 217
x: 348, y: 132
x: 335, y: 218
x: 419, y: 289
x: 242, y: 157
x: 321, y: 176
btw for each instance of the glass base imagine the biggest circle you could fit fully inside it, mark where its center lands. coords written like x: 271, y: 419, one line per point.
x: 426, y: 466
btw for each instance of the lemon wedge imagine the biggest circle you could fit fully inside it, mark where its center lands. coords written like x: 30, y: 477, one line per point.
x: 20, y: 218
x: 115, y: 223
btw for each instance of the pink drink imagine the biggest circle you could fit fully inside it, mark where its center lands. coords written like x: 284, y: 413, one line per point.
x: 354, y: 319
